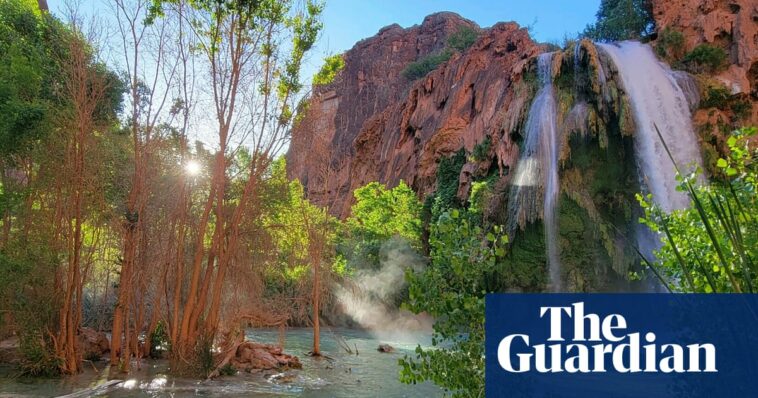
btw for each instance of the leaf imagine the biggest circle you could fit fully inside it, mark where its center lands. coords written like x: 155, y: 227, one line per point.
x: 722, y: 164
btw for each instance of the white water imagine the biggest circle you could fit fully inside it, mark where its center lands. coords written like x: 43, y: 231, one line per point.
x: 657, y: 100
x: 537, y: 171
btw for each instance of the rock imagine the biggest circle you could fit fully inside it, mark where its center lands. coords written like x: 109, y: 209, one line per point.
x: 92, y: 344
x: 385, y: 348
x: 253, y: 357
x: 729, y: 24
x: 378, y: 126
x: 9, y: 350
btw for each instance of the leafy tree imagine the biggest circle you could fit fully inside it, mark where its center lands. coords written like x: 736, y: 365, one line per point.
x: 452, y: 290
x: 333, y: 64
x: 379, y: 214
x: 622, y: 20
x: 713, y: 246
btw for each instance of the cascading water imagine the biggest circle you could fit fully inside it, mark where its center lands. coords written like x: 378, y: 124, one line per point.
x: 537, y: 171
x: 657, y: 100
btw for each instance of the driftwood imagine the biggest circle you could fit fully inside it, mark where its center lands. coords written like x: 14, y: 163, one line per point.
x: 93, y: 391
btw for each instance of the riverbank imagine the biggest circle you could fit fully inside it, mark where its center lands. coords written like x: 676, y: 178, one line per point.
x: 370, y: 373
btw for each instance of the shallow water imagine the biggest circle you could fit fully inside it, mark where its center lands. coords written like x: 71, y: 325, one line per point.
x: 368, y: 374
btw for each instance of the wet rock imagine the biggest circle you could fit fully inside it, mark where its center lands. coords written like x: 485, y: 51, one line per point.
x: 92, y: 343
x: 252, y: 357
x: 385, y: 348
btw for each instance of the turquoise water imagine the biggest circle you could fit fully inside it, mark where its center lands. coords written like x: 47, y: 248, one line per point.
x: 368, y: 374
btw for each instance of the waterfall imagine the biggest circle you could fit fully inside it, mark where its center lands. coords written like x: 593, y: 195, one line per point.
x: 535, y: 183
x: 657, y: 100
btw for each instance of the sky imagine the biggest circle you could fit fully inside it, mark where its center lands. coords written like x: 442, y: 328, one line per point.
x: 348, y: 21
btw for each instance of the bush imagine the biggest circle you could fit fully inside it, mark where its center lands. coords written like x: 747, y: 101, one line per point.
x: 711, y: 247
x: 670, y: 45
x: 705, y: 58
x: 452, y: 290
x: 481, y: 150
x: 422, y: 67
x: 716, y: 97
x: 463, y: 38
x: 333, y: 64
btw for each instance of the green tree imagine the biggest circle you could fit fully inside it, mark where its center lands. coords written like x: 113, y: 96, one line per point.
x: 333, y: 64
x: 377, y: 215
x: 452, y: 290
x: 712, y: 246
x: 622, y: 20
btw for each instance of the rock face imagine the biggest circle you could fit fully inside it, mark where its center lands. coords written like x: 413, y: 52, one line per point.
x: 729, y: 24
x: 375, y: 125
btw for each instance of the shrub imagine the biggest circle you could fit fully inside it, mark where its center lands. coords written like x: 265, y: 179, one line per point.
x: 452, y: 290
x: 463, y: 38
x: 705, y: 58
x: 333, y: 64
x: 716, y: 97
x: 481, y: 150
x: 670, y: 45
x: 422, y: 67
x: 711, y: 246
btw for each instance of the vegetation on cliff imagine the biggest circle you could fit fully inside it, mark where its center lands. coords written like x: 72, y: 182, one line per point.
x: 622, y: 20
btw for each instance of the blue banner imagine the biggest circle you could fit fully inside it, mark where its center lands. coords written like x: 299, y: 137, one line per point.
x: 621, y: 345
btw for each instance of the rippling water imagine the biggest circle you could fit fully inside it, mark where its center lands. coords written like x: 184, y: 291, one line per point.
x: 368, y: 374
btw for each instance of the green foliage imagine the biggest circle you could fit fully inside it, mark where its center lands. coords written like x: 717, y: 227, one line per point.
x: 422, y: 67
x: 26, y: 76
x: 713, y: 246
x: 377, y: 215
x: 333, y: 64
x: 622, y: 20
x: 26, y: 289
x: 452, y: 290
x: 448, y: 178
x: 458, y: 41
x: 481, y: 150
x: 705, y: 58
x: 716, y: 97
x: 463, y: 38
x: 719, y: 97
x: 670, y: 45
x: 159, y: 341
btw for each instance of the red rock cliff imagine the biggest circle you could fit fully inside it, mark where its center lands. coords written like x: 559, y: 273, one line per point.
x: 372, y: 124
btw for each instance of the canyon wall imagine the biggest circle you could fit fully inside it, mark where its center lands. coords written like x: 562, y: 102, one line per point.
x: 374, y: 124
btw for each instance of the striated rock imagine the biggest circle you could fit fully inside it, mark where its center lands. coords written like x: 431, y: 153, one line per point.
x: 378, y: 126
x: 251, y: 356
x: 729, y: 24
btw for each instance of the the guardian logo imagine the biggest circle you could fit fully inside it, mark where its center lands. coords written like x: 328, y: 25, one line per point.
x: 598, y: 346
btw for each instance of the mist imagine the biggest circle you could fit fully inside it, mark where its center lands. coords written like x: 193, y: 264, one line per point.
x: 373, y: 297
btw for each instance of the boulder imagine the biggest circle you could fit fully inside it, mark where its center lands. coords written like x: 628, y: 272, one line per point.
x: 92, y: 343
x: 251, y: 357
x: 386, y: 348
